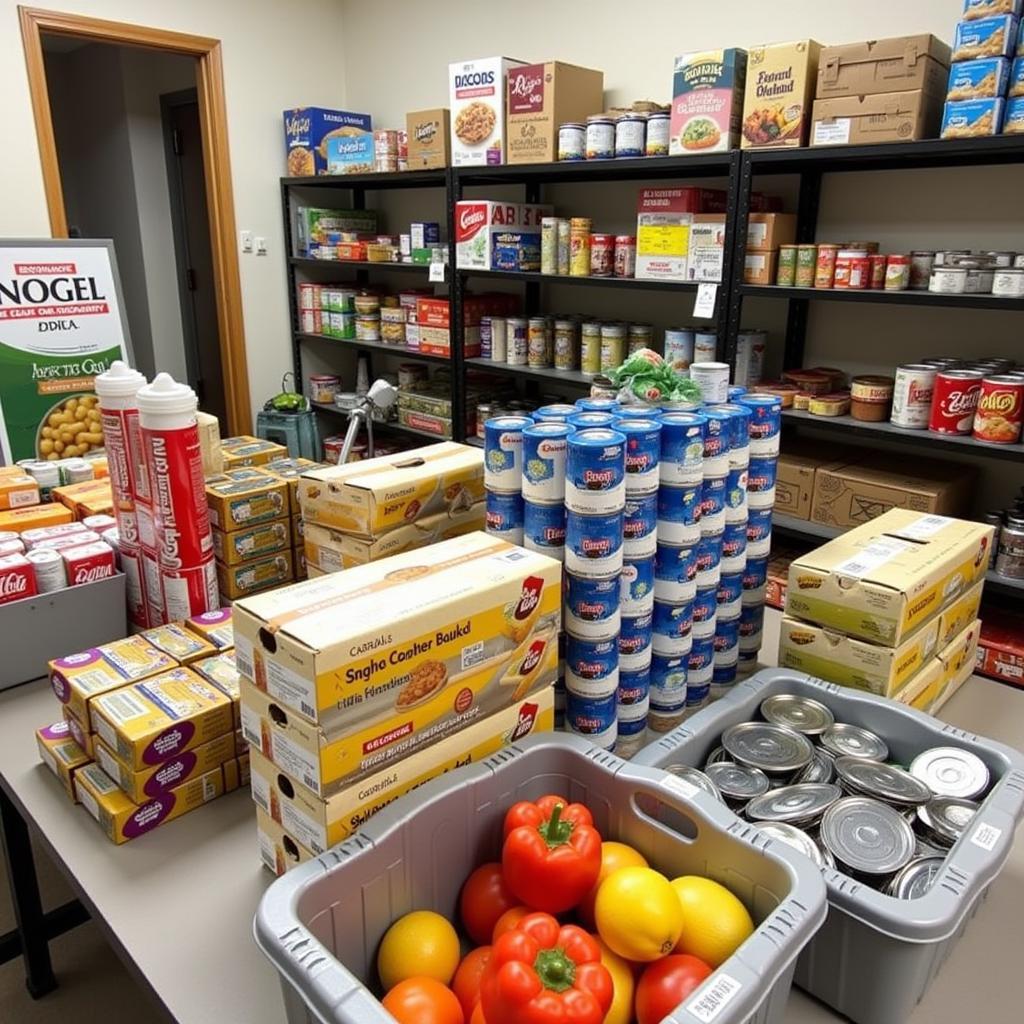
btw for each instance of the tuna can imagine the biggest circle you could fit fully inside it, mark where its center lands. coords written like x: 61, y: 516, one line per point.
x: 503, y: 453
x: 668, y: 682
x: 630, y: 135
x: 759, y: 532
x: 765, y: 423
x: 729, y: 595
x: 679, y: 345
x: 585, y: 420
x: 637, y: 586
x: 643, y: 451
x: 566, y: 345
x: 717, y: 441
x: 640, y: 525
x: 549, y: 245
x: 635, y: 641
x: 517, y: 345
x: 734, y: 548
x: 594, y: 720
x: 539, y: 350
x: 544, y: 528
x: 672, y: 625
x: 679, y: 514
x: 595, y: 472
x: 712, y: 378
x: 675, y: 573
x: 579, y: 247
x: 699, y: 673
x: 590, y: 348
x: 751, y: 627
x: 657, y: 133
x: 505, y: 516
x: 613, y: 346
x: 709, y: 560
x: 755, y: 580
x: 705, y: 612
x: 682, y: 448
x: 712, y: 506
x: 544, y: 450
x: 572, y: 141
x: 727, y: 639
x: 591, y: 607
x: 591, y: 667
x: 593, y: 544
x: 761, y: 482
x: 590, y: 404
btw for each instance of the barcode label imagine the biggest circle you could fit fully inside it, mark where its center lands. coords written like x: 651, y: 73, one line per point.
x: 122, y: 706
x: 261, y: 792
x: 986, y: 836
x: 681, y: 786
x: 710, y: 1003
x: 209, y: 787
x: 924, y: 527
x: 251, y: 729
x: 244, y: 658
x: 99, y: 779
x: 872, y: 557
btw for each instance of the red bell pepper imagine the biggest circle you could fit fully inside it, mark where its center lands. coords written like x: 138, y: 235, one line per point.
x: 542, y: 972
x: 552, y: 853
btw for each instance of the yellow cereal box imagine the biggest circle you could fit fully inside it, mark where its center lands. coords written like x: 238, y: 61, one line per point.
x: 33, y: 516
x: 215, y: 627
x: 80, y: 733
x: 244, y: 498
x: 179, y: 643
x: 279, y: 851
x: 319, y: 824
x: 122, y: 819
x: 780, y: 85
x: 252, y: 541
x: 150, y: 722
x: 221, y: 671
x: 61, y: 754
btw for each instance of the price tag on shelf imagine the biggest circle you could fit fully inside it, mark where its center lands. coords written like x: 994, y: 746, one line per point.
x: 436, y: 273
x: 704, y: 307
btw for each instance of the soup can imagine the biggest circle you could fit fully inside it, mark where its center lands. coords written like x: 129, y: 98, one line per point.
x: 572, y: 141
x: 591, y: 666
x: 668, y: 681
x: 602, y: 255
x: 579, y: 247
x: 625, y: 255
x: 593, y: 544
x: 545, y: 446
x: 709, y: 560
x: 504, y: 516
x: 643, y: 451
x: 517, y: 345
x: 635, y: 642
x: 594, y: 720
x: 705, y: 612
x: 544, y: 528
x: 592, y: 607
x: 590, y: 348
x: 679, y: 348
x: 596, y: 472
x: 1000, y: 405
x: 566, y: 345
x: 682, y: 448
x: 679, y: 514
x: 503, y: 452
x: 912, y: 394
x: 640, y: 524
x: 613, y: 346
x: 675, y: 572
x: 734, y: 547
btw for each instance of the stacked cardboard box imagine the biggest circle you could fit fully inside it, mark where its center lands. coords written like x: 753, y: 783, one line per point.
x: 766, y: 232
x: 364, y: 511
x: 878, y: 606
x: 246, y: 450
x: 290, y: 470
x: 361, y: 685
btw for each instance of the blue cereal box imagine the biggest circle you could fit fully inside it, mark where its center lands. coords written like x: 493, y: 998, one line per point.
x: 307, y: 132
x: 985, y: 37
x: 975, y: 9
x: 978, y: 79
x: 1013, y: 123
x: 972, y: 119
x: 350, y: 154
x: 1016, y: 87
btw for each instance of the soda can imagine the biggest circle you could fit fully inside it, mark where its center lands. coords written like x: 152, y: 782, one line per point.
x: 545, y: 446
x: 761, y: 477
x: 675, y: 572
x: 705, y: 612
x: 713, y: 493
x: 730, y: 596
x: 544, y: 528
x: 593, y: 544
x: 643, y: 450
x: 503, y: 452
x: 592, y: 607
x: 637, y: 585
x: 734, y: 548
x: 679, y: 514
x: 595, y: 475
x: 504, y: 516
x: 640, y: 525
x: 709, y: 561
x: 682, y: 448
x: 635, y: 642
x: 759, y: 532
x: 717, y: 440
x: 591, y: 667
x: 672, y: 627
x: 594, y: 720
x: 669, y: 674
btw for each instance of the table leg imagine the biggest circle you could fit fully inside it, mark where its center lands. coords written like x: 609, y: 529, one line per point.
x: 28, y: 908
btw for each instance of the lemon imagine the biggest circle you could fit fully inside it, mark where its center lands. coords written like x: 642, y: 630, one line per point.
x: 420, y: 944
x: 715, y: 922
x: 613, y: 856
x: 638, y: 914
x: 621, y: 1010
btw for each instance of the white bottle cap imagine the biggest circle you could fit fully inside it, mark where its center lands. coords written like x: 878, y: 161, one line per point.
x: 120, y: 381
x: 165, y: 400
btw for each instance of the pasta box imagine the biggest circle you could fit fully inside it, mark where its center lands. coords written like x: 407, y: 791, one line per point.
x: 899, y: 64
x: 1013, y: 121
x: 974, y: 9
x: 707, y: 101
x: 476, y: 95
x: 780, y: 85
x: 985, y: 37
x: 308, y: 131
x: 350, y: 154
x: 978, y: 79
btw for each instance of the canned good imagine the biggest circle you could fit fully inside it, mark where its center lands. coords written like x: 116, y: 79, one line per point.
x: 802, y: 714
x: 503, y: 453
x: 806, y: 266
x: 679, y: 514
x: 871, y: 398
x: 945, y: 818
x: 845, y: 740
x: 671, y: 626
x: 852, y: 270
x: 675, y: 572
x: 545, y: 446
x: 639, y: 526
x: 498, y: 332
x: 713, y: 380
x: 572, y: 141
x: 773, y: 749
x: 897, y: 273
x: 323, y: 387
x: 948, y: 280
x: 598, y: 404
x: 592, y: 606
x: 705, y: 347
x: 613, y: 346
x: 600, y: 140
x: 643, y: 448
x: 950, y: 257
x: 679, y: 348
x: 785, y: 276
x: 625, y: 256
x: 630, y: 135
x: 564, y: 251
x: 955, y: 401
x: 1008, y: 282
x: 1010, y: 555
x: 737, y: 782
x: 539, y: 352
x: 750, y: 351
x: 729, y: 594
x: 591, y: 667
x: 1000, y: 410
x: 951, y: 771
x: 596, y: 720
x: 921, y: 264
x: 593, y: 544
x: 682, y: 447
x: 712, y: 505
x: 641, y: 336
x: 579, y: 246
x: 544, y: 528
x: 549, y: 245
x: 695, y: 777
x: 517, y: 346
x: 602, y: 255
x: 802, y: 803
x: 866, y: 836
x: 912, y: 395
x: 484, y: 411
x: 637, y: 585
x: 635, y: 640
x: 736, y: 508
x: 885, y: 782
x: 734, y: 547
x: 751, y: 628
x: 668, y: 681
x: 504, y: 516
x: 877, y: 275
x: 761, y: 477
x: 586, y: 420
x: 709, y: 560
x: 657, y: 133
x: 759, y: 532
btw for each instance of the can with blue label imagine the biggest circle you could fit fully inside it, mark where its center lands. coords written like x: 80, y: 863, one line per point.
x: 672, y: 626
x: 736, y: 392
x: 712, y: 505
x: 545, y: 446
x: 682, y: 448
x: 632, y: 726
x: 736, y: 509
x: 593, y: 544
x: 700, y: 669
x: 705, y: 612
x: 761, y: 476
x: 643, y: 452
x: 747, y: 662
x: 594, y: 720
x: 591, y: 666
x: 669, y: 674
x: 739, y: 432
x: 751, y: 627
x: 544, y: 528
x: 679, y: 514
x: 709, y: 561
x: 595, y: 475
x: 635, y: 642
x: 592, y: 607
x: 727, y: 640
x: 755, y: 580
x: 717, y: 440
x: 765, y: 423
x: 734, y: 548
x: 675, y: 572
x: 759, y: 532
x: 640, y: 525
x: 722, y: 679
x: 503, y: 452
x: 557, y: 412
x: 504, y: 516
x: 637, y: 412
x: 637, y: 582
x: 586, y: 420
x: 598, y: 404
x: 730, y: 596
x: 634, y: 688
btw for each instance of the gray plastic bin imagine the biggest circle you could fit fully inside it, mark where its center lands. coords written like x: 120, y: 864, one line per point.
x: 876, y: 955
x: 321, y: 924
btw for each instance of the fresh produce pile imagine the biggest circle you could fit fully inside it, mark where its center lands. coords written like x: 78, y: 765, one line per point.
x: 646, y: 377
x: 567, y: 929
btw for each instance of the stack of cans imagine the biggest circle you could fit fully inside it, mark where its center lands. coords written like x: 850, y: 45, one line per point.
x: 503, y: 476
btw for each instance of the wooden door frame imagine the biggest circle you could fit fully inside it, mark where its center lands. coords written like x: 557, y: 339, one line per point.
x: 216, y: 161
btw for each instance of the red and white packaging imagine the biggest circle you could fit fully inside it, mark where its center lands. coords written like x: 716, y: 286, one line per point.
x: 41, y: 533
x: 70, y: 540
x: 11, y: 547
x: 17, y: 578
x: 99, y: 523
x: 154, y: 595
x: 88, y: 563
x: 190, y: 588
x: 49, y: 569
x: 955, y: 401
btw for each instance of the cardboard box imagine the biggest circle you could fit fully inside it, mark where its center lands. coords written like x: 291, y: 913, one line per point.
x: 222, y: 672
x: 150, y: 722
x: 760, y: 267
x: 925, y: 687
x: 882, y: 581
x: 252, y: 541
x: 290, y: 470
x: 235, y: 581
x: 959, y: 615
x: 331, y: 550
x: 80, y: 732
x: 707, y: 101
x: 887, y: 117
x: 476, y: 98
x: 209, y: 444
x: 850, y: 662
x: 429, y: 142
x: 251, y: 451
x: 777, y: 100
x: 767, y: 231
x: 178, y: 643
x: 899, y: 64
x: 978, y: 79
x: 61, y: 754
x: 319, y: 824
x: 306, y: 132
x: 122, y: 819
x: 857, y: 492
x: 794, y: 485
x: 958, y: 660
x: 371, y: 497
x: 215, y: 626
x: 279, y: 851
x: 706, y: 255
x: 540, y: 98
x: 245, y: 498
x: 18, y: 520
x: 1001, y: 645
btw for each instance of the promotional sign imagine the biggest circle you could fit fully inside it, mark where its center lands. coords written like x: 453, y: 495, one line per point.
x: 61, y: 323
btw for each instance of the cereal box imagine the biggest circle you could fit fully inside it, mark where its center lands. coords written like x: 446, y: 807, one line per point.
x: 214, y: 626
x: 972, y: 119
x: 222, y: 672
x: 251, y: 541
x: 476, y: 94
x: 985, y: 37
x: 707, y: 101
x: 245, y: 499
x: 61, y: 754
x: 319, y: 824
x: 1016, y: 86
x: 1013, y: 122
x: 978, y: 79
x: 236, y: 581
x: 279, y: 851
x: 975, y: 9
x: 777, y: 99
x: 307, y: 132
x: 178, y: 643
x: 429, y: 143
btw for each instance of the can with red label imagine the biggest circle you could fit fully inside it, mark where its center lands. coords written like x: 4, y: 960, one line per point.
x: 912, y: 395
x: 17, y: 578
x: 602, y: 255
x: 877, y: 262
x: 625, y: 255
x: 955, y: 401
x: 1000, y: 410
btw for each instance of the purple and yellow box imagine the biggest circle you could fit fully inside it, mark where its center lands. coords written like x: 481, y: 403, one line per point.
x: 215, y: 626
x: 61, y: 754
x: 307, y: 132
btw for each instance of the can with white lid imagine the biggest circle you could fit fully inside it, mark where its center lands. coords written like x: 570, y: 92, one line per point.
x: 49, y: 569
x: 595, y: 482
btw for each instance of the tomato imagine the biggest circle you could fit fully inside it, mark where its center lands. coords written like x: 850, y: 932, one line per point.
x: 478, y: 1015
x: 508, y: 921
x: 466, y: 983
x: 665, y: 984
x: 485, y: 897
x: 423, y: 1001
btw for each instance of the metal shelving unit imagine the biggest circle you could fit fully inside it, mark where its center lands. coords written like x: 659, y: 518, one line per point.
x: 571, y: 377
x: 615, y: 283
x: 372, y: 346
x: 392, y: 425
x: 884, y: 298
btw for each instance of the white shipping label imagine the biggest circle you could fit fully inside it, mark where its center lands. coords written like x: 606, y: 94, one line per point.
x: 832, y: 133
x: 986, y: 836
x: 704, y: 306
x: 252, y: 729
x: 925, y: 527
x: 872, y: 556
x: 290, y: 688
x: 710, y: 1003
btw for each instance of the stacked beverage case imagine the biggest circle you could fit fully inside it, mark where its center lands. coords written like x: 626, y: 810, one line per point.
x: 663, y: 521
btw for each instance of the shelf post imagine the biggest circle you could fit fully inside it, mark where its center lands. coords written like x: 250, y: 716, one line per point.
x: 808, y: 204
x: 293, y: 299
x: 456, y: 325
x: 739, y: 199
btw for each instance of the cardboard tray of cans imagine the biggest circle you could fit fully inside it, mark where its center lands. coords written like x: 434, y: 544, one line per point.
x: 877, y: 953
x: 320, y: 924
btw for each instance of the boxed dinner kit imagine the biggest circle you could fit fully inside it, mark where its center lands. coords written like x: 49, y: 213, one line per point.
x: 541, y: 97
x: 978, y: 79
x: 307, y: 131
x: 61, y: 754
x: 780, y: 85
x: 428, y: 134
x: 476, y: 99
x: 707, y: 101
x: 493, y: 235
